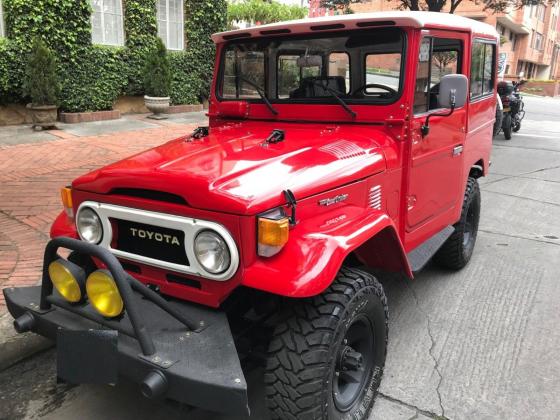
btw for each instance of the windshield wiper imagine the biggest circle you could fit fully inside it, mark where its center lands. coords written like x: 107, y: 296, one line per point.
x: 336, y: 96
x: 260, y: 92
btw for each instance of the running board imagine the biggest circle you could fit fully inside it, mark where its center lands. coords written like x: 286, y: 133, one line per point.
x: 420, y: 255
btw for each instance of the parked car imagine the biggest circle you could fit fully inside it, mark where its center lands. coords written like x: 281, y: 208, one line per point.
x: 336, y: 147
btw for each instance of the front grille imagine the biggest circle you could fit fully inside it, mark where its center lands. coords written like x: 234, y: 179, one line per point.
x: 156, y: 242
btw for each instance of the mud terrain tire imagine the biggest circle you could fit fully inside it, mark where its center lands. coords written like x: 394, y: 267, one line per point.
x: 314, y: 355
x: 457, y: 250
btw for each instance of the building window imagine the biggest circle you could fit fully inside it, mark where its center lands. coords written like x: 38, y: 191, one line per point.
x: 483, y: 66
x: 107, y: 22
x: 1, y: 20
x: 539, y: 45
x: 170, y: 23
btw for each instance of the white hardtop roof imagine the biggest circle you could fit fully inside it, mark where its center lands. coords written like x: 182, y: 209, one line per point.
x: 359, y: 21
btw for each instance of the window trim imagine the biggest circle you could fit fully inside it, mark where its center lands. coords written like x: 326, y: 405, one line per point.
x: 313, y: 101
x: 494, y: 75
x: 167, y: 21
x: 103, y: 41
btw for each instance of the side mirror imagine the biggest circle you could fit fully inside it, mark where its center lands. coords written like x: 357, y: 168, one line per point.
x: 452, y: 91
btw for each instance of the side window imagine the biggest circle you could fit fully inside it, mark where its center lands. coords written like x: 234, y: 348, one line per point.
x: 437, y: 58
x: 483, y: 64
x: 249, y: 65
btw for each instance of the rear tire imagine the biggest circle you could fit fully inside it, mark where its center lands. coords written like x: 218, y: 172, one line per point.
x: 517, y: 127
x: 506, y: 126
x: 457, y: 250
x: 325, y: 361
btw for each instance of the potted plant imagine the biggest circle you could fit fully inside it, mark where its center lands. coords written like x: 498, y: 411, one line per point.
x: 157, y: 81
x: 41, y: 85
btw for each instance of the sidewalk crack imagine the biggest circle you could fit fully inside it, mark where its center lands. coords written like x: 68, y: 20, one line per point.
x: 431, y: 349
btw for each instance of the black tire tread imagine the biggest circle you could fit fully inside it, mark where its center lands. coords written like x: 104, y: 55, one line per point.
x: 507, y: 126
x: 450, y: 255
x: 296, y: 368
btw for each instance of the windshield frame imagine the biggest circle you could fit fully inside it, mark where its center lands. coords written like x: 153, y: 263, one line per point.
x: 327, y: 100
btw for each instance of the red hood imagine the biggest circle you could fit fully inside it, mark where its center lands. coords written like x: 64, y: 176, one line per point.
x: 232, y: 171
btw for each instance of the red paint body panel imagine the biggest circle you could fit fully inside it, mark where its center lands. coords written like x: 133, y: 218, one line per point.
x: 231, y: 176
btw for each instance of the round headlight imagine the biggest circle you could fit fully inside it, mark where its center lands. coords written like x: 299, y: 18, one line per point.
x: 103, y: 293
x: 89, y: 226
x: 212, y: 252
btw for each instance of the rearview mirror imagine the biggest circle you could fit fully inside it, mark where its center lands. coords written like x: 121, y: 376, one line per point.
x: 309, y: 61
x: 452, y: 91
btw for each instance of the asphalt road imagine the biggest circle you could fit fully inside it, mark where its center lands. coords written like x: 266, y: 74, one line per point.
x: 478, y: 344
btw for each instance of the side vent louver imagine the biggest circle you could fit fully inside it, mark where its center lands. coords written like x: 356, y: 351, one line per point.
x: 374, y: 199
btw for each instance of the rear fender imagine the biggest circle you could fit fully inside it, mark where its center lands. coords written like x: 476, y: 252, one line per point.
x: 312, y: 258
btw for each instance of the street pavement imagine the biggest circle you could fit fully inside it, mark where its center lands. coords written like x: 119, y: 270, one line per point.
x: 481, y: 343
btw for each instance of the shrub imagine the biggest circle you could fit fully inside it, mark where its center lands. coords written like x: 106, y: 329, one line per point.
x: 40, y: 81
x: 95, y: 81
x: 157, y: 76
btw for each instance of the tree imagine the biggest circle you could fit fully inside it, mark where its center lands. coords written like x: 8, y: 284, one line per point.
x: 341, y: 6
x: 40, y: 81
x: 157, y: 74
x: 262, y: 12
x: 494, y: 6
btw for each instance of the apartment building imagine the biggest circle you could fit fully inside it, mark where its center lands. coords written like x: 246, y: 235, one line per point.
x: 530, y: 42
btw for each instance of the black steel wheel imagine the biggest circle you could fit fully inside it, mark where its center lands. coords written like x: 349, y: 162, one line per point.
x: 456, y: 252
x: 326, y: 357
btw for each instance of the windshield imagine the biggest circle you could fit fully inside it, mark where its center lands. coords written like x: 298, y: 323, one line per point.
x: 359, y: 66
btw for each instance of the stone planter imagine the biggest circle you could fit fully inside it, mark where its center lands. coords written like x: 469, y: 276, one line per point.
x: 43, y: 116
x: 157, y: 105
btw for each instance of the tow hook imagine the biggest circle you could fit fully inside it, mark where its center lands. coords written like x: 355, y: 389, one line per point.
x: 154, y: 384
x: 24, y: 323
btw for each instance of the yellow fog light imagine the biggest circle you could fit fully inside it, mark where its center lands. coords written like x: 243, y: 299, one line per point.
x: 273, y: 233
x: 103, y: 293
x: 68, y: 279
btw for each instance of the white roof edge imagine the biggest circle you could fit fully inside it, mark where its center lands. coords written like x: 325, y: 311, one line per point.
x: 410, y: 19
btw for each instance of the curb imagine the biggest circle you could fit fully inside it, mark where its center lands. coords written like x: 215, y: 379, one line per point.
x: 16, y: 347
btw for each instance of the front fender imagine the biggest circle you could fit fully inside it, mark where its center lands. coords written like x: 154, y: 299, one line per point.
x: 312, y: 257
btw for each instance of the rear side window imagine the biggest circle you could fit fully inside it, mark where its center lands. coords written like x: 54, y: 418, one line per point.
x: 483, y: 65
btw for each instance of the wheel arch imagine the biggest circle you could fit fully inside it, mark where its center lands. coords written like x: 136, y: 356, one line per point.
x: 478, y: 169
x: 383, y: 251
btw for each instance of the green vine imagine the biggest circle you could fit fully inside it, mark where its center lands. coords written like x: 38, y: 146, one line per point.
x: 93, y: 76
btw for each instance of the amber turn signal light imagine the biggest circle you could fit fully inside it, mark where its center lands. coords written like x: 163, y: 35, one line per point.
x: 66, y: 195
x: 273, y: 234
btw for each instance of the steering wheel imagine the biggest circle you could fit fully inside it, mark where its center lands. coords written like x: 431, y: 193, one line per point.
x: 374, y: 85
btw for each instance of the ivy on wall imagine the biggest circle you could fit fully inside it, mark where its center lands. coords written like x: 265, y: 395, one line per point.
x: 93, y: 76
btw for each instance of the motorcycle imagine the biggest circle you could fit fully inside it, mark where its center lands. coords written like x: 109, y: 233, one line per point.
x: 513, y: 107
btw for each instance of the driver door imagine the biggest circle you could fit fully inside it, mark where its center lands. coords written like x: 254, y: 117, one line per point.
x: 436, y: 158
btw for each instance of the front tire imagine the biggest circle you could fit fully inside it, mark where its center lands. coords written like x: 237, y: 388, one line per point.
x: 325, y: 361
x: 457, y: 251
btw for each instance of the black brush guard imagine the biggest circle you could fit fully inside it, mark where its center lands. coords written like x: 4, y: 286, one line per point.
x: 173, y: 349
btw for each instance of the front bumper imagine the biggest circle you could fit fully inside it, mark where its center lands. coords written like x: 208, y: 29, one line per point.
x: 199, y: 366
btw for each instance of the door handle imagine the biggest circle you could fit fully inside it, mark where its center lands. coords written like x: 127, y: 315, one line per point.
x: 457, y: 150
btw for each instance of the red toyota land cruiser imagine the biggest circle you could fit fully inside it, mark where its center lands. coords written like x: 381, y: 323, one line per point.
x: 333, y: 144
